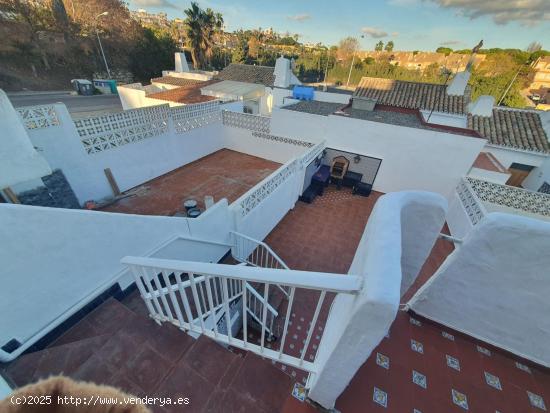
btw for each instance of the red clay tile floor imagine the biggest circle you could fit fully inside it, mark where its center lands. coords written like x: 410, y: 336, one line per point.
x: 222, y: 174
x: 420, y: 367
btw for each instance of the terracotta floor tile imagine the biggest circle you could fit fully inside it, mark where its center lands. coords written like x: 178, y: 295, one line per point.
x: 223, y: 174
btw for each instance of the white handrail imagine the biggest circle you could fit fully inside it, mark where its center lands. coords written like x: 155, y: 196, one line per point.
x: 263, y: 244
x: 332, y: 282
x: 255, y: 293
x: 232, y: 283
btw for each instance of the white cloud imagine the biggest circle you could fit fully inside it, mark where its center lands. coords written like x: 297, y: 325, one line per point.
x: 374, y: 32
x: 154, y: 3
x: 299, y: 17
x: 526, y: 12
x: 450, y: 43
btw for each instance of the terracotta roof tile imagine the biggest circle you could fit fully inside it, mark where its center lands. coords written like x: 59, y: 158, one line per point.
x: 411, y: 95
x: 263, y: 75
x: 185, y: 94
x: 520, y: 129
x: 176, y: 81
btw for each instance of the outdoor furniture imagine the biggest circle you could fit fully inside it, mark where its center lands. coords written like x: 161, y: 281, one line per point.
x: 362, y: 189
x: 320, y: 179
x: 351, y: 179
x: 309, y: 194
x: 340, y: 165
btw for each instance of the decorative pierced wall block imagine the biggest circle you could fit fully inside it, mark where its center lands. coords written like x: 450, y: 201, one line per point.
x: 257, y: 195
x: 544, y: 188
x: 37, y: 117
x: 106, y: 132
x: 471, y: 203
x: 189, y: 117
x: 282, y: 139
x: 511, y: 196
x: 313, y: 153
x: 247, y: 121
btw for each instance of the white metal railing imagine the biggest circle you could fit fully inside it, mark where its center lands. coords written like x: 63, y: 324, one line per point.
x: 256, y: 253
x: 190, y: 293
x: 255, y: 305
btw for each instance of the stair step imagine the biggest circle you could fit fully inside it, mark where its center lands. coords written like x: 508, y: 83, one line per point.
x: 63, y: 359
x: 108, y: 318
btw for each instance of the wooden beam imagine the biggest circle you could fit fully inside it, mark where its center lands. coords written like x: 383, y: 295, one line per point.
x: 12, y: 196
x: 112, y: 182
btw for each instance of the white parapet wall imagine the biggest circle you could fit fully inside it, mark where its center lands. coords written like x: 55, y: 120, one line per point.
x: 495, y: 287
x: 137, y: 145
x: 19, y: 160
x: 399, y: 236
x: 412, y: 158
x: 60, y: 258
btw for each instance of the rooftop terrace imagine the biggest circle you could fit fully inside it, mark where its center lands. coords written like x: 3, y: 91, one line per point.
x: 419, y: 365
x: 223, y: 174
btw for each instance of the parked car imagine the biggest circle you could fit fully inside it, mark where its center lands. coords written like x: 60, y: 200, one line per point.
x: 535, y: 97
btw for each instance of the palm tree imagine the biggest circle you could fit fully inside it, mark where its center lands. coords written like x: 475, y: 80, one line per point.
x: 201, y: 27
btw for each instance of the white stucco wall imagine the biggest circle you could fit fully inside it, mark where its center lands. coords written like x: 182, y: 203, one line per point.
x: 457, y: 218
x: 449, y: 119
x: 19, y: 161
x: 399, y: 236
x: 59, y: 256
x: 538, y: 176
x: 412, y: 159
x: 242, y: 140
x: 495, y: 287
x: 260, y: 221
x: 491, y: 176
x: 508, y: 156
x: 131, y: 98
x: 131, y: 164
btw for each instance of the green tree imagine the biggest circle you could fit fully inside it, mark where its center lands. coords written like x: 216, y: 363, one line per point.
x: 347, y: 48
x: 389, y: 46
x: 444, y: 50
x: 379, y: 46
x: 201, y: 27
x: 151, y: 54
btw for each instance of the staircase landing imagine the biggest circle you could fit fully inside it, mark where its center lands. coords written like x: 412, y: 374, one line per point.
x: 116, y: 346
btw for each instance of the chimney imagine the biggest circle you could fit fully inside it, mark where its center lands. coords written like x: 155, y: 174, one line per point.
x: 282, y: 72
x: 483, y: 106
x: 181, y: 63
x: 459, y: 83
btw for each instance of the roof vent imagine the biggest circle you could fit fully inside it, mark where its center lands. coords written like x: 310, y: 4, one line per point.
x: 483, y: 106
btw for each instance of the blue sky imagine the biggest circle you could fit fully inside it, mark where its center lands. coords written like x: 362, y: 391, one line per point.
x: 411, y: 24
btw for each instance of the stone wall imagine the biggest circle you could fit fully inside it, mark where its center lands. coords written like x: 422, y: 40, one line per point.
x: 121, y: 76
x: 56, y: 193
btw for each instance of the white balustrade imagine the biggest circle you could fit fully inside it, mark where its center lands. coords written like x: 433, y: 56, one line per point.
x: 101, y: 133
x: 203, y: 298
